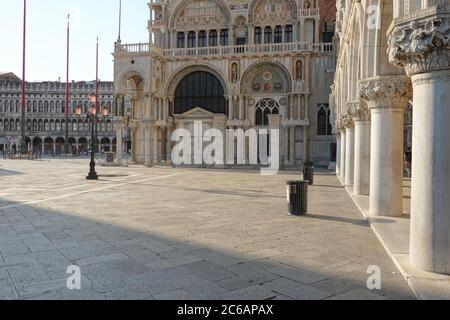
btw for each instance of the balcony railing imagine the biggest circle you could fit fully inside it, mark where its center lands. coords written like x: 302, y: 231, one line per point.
x: 231, y: 50
x: 250, y: 49
x: 309, y: 12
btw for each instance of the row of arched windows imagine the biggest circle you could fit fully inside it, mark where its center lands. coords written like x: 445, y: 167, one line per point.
x: 14, y: 106
x: 279, y: 34
x: 55, y: 125
x: 203, y: 38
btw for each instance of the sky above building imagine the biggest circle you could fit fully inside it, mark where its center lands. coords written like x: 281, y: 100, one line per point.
x: 46, y: 36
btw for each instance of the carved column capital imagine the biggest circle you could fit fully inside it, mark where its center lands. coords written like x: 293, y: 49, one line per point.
x: 385, y: 92
x: 421, y: 46
x: 347, y: 122
x: 358, y: 111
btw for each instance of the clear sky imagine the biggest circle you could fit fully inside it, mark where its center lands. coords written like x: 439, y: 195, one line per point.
x: 46, y: 36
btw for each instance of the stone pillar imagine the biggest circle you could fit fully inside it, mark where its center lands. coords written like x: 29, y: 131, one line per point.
x: 147, y: 145
x: 169, y: 131
x: 119, y: 143
x: 292, y: 145
x: 427, y: 60
x: 133, y: 144
x: 155, y: 152
x: 338, y: 154
x: 349, y: 151
x: 343, y: 149
x: 386, y: 96
x: 286, y: 146
x: 306, y: 144
x: 361, y: 117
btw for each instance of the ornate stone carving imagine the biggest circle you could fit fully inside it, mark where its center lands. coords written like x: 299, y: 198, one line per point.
x: 385, y: 92
x: 421, y: 46
x: 347, y: 121
x: 359, y: 111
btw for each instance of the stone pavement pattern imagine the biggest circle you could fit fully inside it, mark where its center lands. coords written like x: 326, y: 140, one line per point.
x: 159, y: 233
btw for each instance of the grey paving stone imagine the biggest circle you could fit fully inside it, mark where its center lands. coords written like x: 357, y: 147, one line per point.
x: 99, y: 259
x: 176, y: 295
x: 358, y: 294
x: 7, y: 290
x: 209, y: 271
x: 250, y: 293
x: 296, y: 290
x: 25, y: 277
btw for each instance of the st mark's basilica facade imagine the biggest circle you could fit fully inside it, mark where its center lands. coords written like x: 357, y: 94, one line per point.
x: 237, y: 64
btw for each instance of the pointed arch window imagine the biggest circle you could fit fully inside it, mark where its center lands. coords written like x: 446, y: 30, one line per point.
x: 323, y: 120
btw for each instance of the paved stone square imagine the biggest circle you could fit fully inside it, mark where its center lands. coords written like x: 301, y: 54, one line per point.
x: 162, y: 233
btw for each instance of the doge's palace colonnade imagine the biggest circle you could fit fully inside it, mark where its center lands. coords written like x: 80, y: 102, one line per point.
x: 392, y: 54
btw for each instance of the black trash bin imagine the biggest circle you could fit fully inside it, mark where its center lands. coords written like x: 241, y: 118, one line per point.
x: 297, y: 193
x: 308, y: 172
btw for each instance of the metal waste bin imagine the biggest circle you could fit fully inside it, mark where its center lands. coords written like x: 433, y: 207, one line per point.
x: 308, y: 172
x: 297, y: 196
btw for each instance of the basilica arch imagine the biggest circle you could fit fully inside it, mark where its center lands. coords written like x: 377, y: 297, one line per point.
x: 280, y: 9
x: 187, y: 13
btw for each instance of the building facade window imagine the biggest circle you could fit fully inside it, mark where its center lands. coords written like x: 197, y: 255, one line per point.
x: 202, y: 38
x: 268, y: 35
x: 181, y: 40
x: 258, y: 35
x: 324, y: 127
x: 224, y: 37
x: 213, y: 38
x: 278, y: 36
x: 289, y: 34
x: 191, y: 39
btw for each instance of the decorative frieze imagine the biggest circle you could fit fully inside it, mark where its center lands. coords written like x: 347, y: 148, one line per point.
x: 421, y: 46
x: 385, y: 91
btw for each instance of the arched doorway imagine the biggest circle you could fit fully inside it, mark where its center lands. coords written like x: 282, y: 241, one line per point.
x: 37, y: 145
x: 200, y: 89
x: 83, y: 146
x: 105, y: 145
x: 48, y: 146
x: 59, y: 145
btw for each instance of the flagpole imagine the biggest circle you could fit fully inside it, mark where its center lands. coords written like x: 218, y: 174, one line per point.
x: 120, y: 20
x: 66, y: 145
x: 97, y: 106
x: 24, y: 146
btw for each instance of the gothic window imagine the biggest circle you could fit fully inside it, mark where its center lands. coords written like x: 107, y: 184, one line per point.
x: 258, y: 35
x: 46, y: 106
x: 323, y: 120
x: 41, y: 109
x: 191, y: 39
x: 202, y: 38
x: 289, y: 33
x: 1, y: 106
x: 264, y: 108
x: 11, y: 106
x: 278, y: 37
x: 181, y: 40
x: 224, y: 37
x: 34, y: 107
x: 213, y: 38
x: 268, y: 35
x: 17, y: 106
x: 29, y: 107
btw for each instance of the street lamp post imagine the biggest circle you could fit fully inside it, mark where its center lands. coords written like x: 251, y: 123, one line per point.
x: 92, y: 116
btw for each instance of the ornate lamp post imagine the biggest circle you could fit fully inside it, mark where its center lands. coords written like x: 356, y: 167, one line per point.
x: 92, y: 116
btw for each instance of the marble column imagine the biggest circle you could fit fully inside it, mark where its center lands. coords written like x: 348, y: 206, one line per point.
x: 343, y: 149
x: 387, y: 97
x: 349, y: 151
x: 427, y: 61
x: 119, y: 144
x: 147, y: 145
x: 338, y: 154
x: 155, y: 153
x: 361, y: 117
